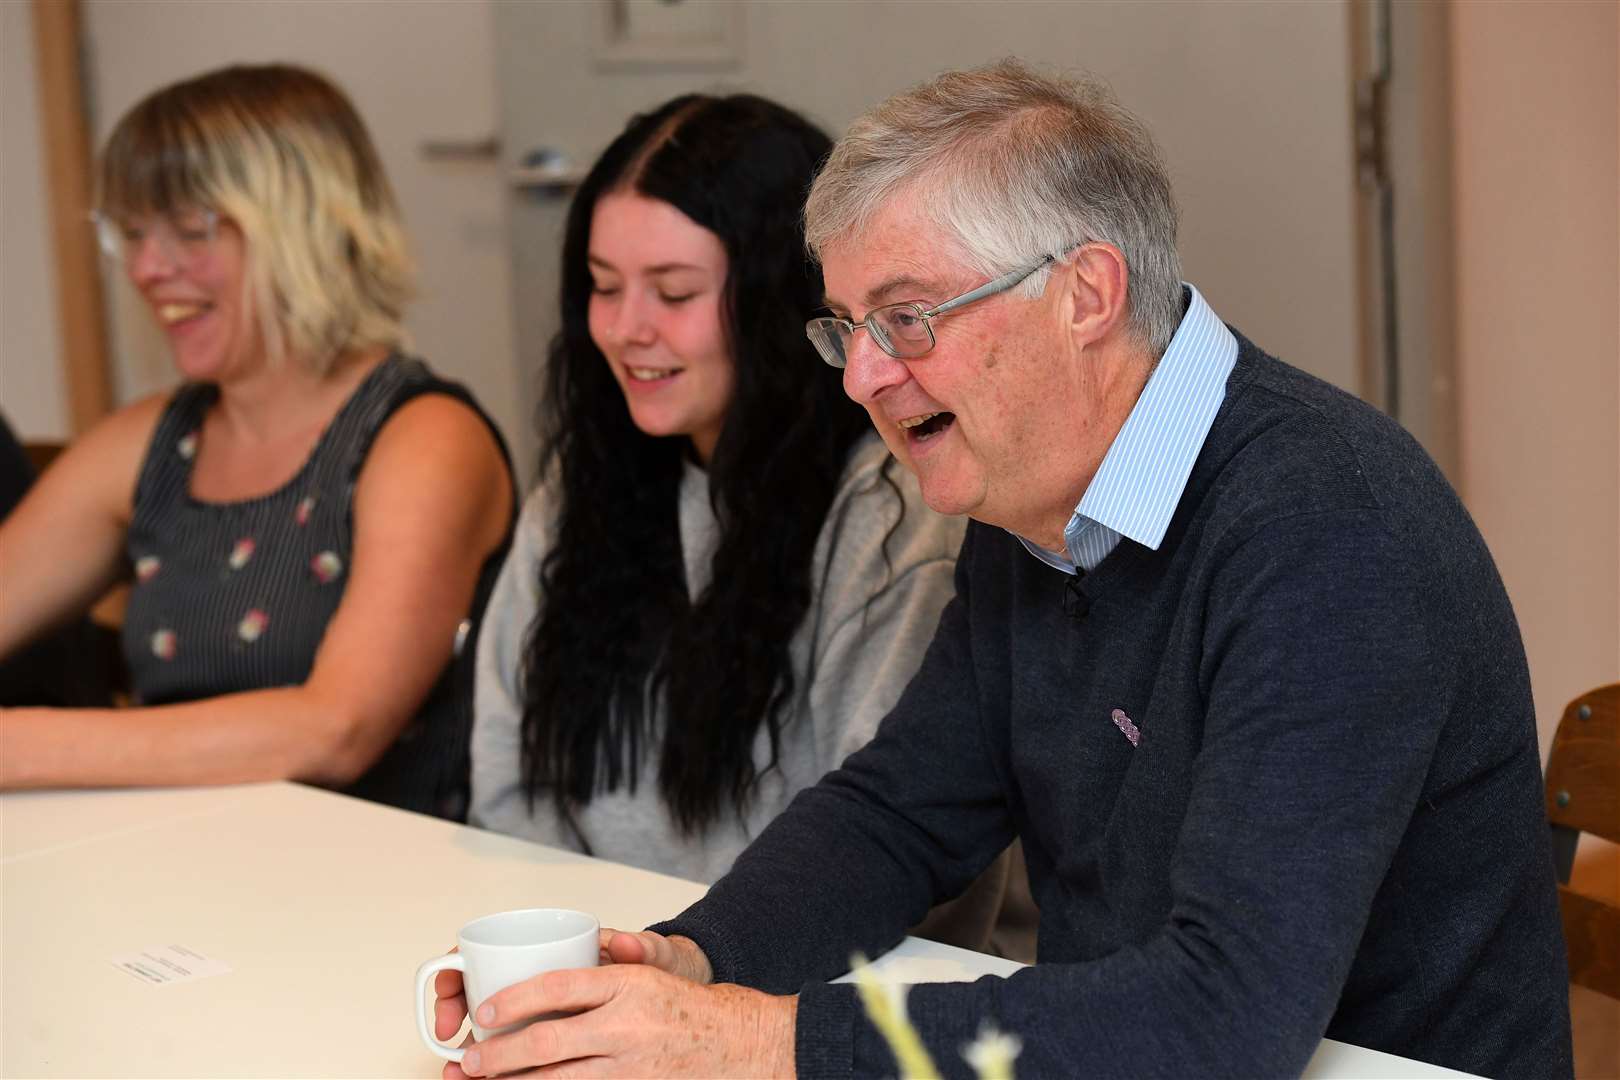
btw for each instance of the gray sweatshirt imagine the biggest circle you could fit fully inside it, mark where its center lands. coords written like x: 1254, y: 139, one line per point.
x: 859, y: 644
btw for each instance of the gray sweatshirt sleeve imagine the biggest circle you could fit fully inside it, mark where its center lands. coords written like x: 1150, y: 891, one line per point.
x: 498, y: 801
x: 886, y: 576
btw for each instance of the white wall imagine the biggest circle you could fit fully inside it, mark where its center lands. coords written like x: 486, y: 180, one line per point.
x: 416, y: 71
x: 1536, y: 93
x: 1250, y: 101
x: 33, y: 391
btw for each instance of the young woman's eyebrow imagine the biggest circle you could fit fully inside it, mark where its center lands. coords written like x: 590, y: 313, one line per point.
x: 659, y: 268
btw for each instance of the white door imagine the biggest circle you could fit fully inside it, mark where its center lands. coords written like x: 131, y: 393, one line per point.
x: 419, y: 71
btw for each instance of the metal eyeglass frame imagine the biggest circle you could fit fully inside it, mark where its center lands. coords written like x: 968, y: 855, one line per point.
x: 823, y: 331
x: 177, y: 248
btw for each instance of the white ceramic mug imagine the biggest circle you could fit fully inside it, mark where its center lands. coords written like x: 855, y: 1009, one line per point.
x: 499, y: 950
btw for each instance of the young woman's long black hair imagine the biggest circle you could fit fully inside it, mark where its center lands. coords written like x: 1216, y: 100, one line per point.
x: 617, y: 633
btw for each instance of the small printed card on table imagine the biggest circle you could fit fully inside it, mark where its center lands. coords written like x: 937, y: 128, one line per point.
x: 161, y: 965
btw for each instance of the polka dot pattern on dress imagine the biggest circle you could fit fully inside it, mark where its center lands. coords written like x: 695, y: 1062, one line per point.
x: 163, y: 644
x: 252, y: 626
x: 197, y: 627
x: 241, y: 553
x: 326, y: 566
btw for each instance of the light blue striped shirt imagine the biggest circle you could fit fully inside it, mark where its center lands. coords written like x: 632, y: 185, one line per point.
x: 1142, y: 476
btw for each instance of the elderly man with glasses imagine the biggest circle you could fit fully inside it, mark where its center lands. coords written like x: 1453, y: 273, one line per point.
x: 1227, y: 654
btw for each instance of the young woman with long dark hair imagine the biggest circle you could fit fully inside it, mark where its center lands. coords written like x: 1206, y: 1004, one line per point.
x: 722, y: 583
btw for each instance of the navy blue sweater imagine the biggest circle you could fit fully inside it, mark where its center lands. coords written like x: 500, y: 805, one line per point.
x: 1280, y: 781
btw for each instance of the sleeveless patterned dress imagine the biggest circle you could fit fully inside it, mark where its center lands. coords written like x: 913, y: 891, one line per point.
x: 236, y: 596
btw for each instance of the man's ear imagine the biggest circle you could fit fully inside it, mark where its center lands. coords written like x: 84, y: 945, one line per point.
x: 1098, y: 282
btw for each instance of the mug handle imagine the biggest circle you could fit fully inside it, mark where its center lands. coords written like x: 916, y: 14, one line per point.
x: 429, y: 969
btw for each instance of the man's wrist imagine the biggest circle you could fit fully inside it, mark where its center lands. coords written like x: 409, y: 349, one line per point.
x: 778, y: 1034
x: 790, y: 1036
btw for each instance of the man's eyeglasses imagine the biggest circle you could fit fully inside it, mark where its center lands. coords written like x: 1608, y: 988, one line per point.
x: 183, y: 237
x: 902, y: 330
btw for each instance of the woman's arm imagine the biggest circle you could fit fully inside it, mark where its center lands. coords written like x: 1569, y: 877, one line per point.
x: 432, y: 503
x: 63, y: 546
x: 499, y: 801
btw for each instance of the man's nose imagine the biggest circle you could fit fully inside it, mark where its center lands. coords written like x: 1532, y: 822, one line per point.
x: 868, y: 370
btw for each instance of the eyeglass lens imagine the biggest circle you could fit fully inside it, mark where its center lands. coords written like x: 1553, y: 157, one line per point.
x: 182, y: 237
x: 831, y: 339
x: 899, y: 330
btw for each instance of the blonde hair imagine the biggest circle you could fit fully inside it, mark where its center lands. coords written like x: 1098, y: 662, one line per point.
x: 1010, y: 165
x: 281, y: 153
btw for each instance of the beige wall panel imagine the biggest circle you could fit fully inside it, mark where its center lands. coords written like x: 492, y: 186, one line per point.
x: 33, y: 394
x: 1537, y: 172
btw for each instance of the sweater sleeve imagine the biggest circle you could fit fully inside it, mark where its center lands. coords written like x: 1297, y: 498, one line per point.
x: 1320, y: 720
x: 909, y: 820
x: 889, y: 573
x: 498, y: 800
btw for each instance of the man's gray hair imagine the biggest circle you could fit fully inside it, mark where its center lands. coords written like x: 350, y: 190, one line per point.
x: 1012, y: 165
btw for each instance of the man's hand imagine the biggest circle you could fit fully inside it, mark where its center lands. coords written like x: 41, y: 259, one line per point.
x: 450, y: 1003
x: 635, y: 1019
x: 676, y: 955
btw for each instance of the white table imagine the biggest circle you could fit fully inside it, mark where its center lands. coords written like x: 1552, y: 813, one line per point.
x: 322, y: 906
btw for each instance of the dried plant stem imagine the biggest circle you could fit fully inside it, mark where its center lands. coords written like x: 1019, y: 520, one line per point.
x: 886, y: 1010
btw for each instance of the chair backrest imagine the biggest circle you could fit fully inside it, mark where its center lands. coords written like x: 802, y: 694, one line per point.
x: 1583, y: 795
x: 41, y: 454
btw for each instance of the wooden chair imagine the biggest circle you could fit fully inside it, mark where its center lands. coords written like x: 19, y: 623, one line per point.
x: 1583, y: 795
x: 41, y: 454
x: 96, y: 642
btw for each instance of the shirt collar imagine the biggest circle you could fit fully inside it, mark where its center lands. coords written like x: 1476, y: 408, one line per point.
x: 1141, y: 478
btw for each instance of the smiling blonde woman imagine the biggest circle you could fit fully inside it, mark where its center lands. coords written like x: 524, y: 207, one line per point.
x: 312, y: 521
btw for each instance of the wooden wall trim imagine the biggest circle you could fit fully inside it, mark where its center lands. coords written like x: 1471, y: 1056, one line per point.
x: 65, y: 139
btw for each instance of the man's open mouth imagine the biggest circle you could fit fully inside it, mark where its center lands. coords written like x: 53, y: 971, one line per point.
x: 927, y: 425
